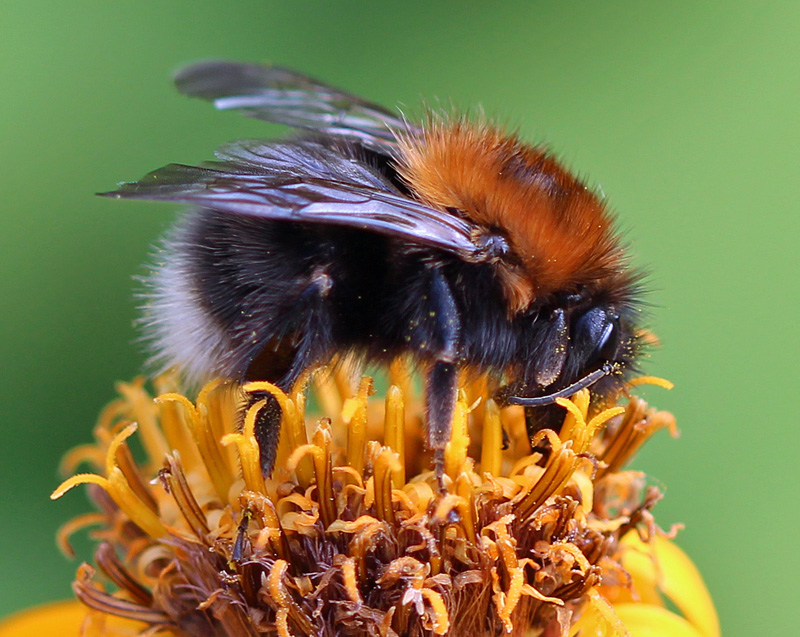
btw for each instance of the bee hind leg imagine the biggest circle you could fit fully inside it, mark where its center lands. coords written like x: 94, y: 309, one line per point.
x: 282, y: 362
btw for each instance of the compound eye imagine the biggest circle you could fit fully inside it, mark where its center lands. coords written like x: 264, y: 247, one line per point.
x: 597, y: 335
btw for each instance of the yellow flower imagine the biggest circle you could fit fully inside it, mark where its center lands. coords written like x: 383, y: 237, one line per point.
x: 351, y: 536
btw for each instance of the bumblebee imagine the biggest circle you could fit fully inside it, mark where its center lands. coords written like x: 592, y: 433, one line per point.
x: 365, y: 234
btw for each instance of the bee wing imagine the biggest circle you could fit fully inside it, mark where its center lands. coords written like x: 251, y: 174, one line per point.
x: 287, y: 97
x: 308, y: 182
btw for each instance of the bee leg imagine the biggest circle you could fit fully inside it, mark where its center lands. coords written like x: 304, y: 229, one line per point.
x: 440, y: 398
x: 268, y: 419
x: 283, y: 362
x: 442, y: 382
x: 267, y: 430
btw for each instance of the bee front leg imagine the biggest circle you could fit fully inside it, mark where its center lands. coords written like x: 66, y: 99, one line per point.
x: 442, y: 382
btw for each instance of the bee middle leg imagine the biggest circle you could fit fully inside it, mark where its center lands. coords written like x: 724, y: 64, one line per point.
x: 444, y: 329
x: 440, y: 397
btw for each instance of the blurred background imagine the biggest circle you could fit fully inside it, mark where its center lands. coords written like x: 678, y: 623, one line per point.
x: 685, y: 113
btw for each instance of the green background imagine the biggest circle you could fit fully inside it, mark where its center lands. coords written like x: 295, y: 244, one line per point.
x: 685, y: 113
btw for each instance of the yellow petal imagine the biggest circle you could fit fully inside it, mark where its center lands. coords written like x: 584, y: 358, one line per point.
x: 68, y: 618
x: 677, y: 577
x: 646, y: 620
x: 56, y: 618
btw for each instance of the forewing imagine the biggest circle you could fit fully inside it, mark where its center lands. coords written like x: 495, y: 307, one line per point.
x: 309, y: 183
x: 284, y: 96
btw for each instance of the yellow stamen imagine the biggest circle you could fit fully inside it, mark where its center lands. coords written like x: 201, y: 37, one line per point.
x: 184, y: 498
x: 558, y: 470
x: 386, y: 463
x: 327, y: 394
x: 178, y: 434
x: 141, y: 404
x: 492, y: 443
x: 530, y: 591
x: 577, y: 409
x: 503, y: 551
x: 89, y: 453
x: 249, y: 453
x: 577, y: 557
x: 395, y: 432
x: 400, y: 376
x: 512, y: 597
x: 650, y: 380
x: 65, y: 531
x: 575, y: 426
x: 319, y: 454
x: 284, y: 602
x: 439, y: 617
x: 455, y: 452
x: 364, y: 529
x: 348, y: 566
x: 450, y: 503
x: 354, y: 415
x: 94, y: 597
x: 466, y: 491
x: 259, y: 505
x: 635, y: 428
x: 116, y: 485
x: 282, y: 623
x: 134, y: 478
x: 211, y: 451
x: 348, y: 475
x: 299, y: 431
x: 323, y: 470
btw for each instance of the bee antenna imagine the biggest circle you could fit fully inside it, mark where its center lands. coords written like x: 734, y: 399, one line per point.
x: 587, y: 381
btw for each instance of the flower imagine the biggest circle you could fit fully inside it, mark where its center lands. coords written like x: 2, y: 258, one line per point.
x: 351, y: 536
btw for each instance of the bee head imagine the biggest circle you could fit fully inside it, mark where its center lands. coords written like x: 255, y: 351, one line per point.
x: 574, y: 345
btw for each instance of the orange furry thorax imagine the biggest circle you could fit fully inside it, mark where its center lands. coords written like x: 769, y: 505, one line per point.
x: 560, y: 232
